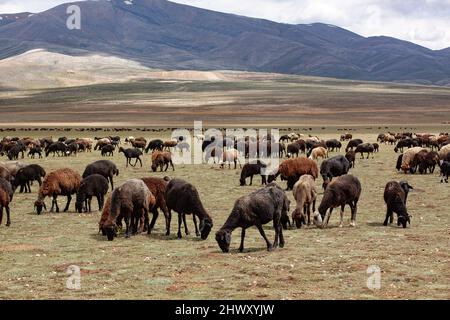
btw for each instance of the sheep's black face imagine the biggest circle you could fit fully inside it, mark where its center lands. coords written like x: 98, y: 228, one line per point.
x: 154, y: 167
x: 79, y: 207
x: 403, y: 221
x: 205, y: 228
x: 39, y: 205
x: 110, y: 232
x: 242, y: 181
x: 271, y: 178
x: 223, y: 238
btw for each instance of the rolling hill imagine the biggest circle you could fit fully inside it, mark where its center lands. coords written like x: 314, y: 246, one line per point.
x: 165, y: 35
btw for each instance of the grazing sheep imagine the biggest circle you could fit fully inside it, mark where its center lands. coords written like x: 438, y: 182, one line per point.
x: 429, y: 162
x: 408, y: 158
x: 351, y: 157
x: 365, y: 148
x: 131, y: 154
x: 334, y: 167
x: 292, y: 169
x: 230, y: 155
x: 6, y: 196
x: 376, y: 147
x: 296, y: 148
x: 305, y: 195
x: 157, y: 187
x: 445, y: 150
x: 341, y: 191
x: 395, y: 196
x: 333, y: 145
x: 445, y: 171
x: 353, y: 144
x: 319, y: 152
x: 94, y: 185
x: 132, y: 201
x: 64, y: 182
x: 183, y: 198
x: 57, y: 148
x: 13, y: 166
x: 108, y: 150
x: 405, y: 143
x: 35, y: 150
x: 6, y: 174
x: 256, y: 209
x: 105, y: 168
x: 161, y: 158
x: 25, y: 176
x: 251, y: 169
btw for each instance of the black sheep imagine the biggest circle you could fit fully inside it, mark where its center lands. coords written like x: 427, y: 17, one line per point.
x: 153, y: 145
x: 365, y: 148
x: 183, y: 198
x: 333, y: 145
x: 353, y: 144
x: 333, y: 167
x: 108, y: 150
x: 251, y: 169
x: 35, y: 150
x: 105, y: 168
x: 341, y: 191
x: 28, y: 174
x: 92, y: 186
x: 445, y: 171
x: 395, y: 196
x: 256, y: 209
x: 58, y: 148
x: 131, y: 153
x: 351, y: 157
x: 13, y: 153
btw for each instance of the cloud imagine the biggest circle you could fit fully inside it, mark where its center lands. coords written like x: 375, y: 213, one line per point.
x: 425, y: 22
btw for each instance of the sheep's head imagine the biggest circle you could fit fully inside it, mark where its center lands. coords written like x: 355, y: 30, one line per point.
x: 403, y: 220
x: 298, y: 218
x: 154, y: 167
x: 242, y: 181
x: 205, y: 228
x: 406, y: 186
x: 39, y: 205
x: 284, y: 220
x: 79, y: 206
x: 223, y: 238
x: 110, y: 231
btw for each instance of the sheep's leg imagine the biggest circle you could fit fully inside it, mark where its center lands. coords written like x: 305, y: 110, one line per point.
x: 89, y: 204
x: 197, y: 233
x: 263, y: 234
x: 127, y: 224
x: 186, y: 231
x: 179, y: 225
x: 154, y: 217
x: 168, y: 215
x: 112, y: 182
x: 69, y: 199
x: 28, y: 187
x: 327, y: 218
x: 241, y: 247
x: 1, y: 214
x: 171, y: 163
x: 341, y: 224
x: 388, y: 215
x: 8, y: 218
x: 354, y: 209
x: 140, y: 161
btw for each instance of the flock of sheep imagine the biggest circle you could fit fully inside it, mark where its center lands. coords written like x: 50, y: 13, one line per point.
x: 134, y: 200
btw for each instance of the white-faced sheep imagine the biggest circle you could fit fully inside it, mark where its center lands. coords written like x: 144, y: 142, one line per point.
x: 256, y: 209
x: 183, y: 198
x: 64, y: 182
x: 342, y: 191
x: 395, y: 196
x: 305, y: 195
x: 408, y: 157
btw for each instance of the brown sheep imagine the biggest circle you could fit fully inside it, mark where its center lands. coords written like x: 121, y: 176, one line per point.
x: 292, y: 169
x: 161, y: 158
x: 170, y: 144
x: 132, y: 200
x: 305, y: 194
x: 5, y: 174
x: 231, y: 155
x: 319, y: 152
x: 6, y: 196
x: 63, y: 182
x: 351, y: 157
x: 408, y: 159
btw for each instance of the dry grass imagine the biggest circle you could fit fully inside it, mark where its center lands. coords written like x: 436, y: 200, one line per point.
x: 315, y: 264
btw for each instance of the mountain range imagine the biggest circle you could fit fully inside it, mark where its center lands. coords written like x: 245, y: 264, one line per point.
x: 166, y: 35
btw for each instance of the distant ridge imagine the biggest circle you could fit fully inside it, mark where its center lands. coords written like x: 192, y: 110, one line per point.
x: 166, y: 35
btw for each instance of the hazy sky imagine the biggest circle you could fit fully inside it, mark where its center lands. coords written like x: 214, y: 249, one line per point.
x: 426, y: 22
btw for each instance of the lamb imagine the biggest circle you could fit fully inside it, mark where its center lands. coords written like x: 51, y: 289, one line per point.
x: 334, y: 167
x: 365, y: 148
x: 351, y: 157
x: 251, y: 169
x: 395, y: 196
x: 256, y: 209
x: 105, y: 168
x: 230, y: 155
x: 131, y: 154
x: 132, y: 201
x: 63, y: 182
x: 319, y: 152
x: 341, y: 191
x: 305, y: 194
x: 429, y: 162
x: 445, y: 171
x: 6, y: 196
x: 292, y: 169
x: 157, y: 187
x: 161, y: 158
x: 183, y: 198
x: 296, y: 148
x: 92, y: 186
x: 353, y: 144
x: 25, y: 176
x: 408, y: 157
x: 108, y: 150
